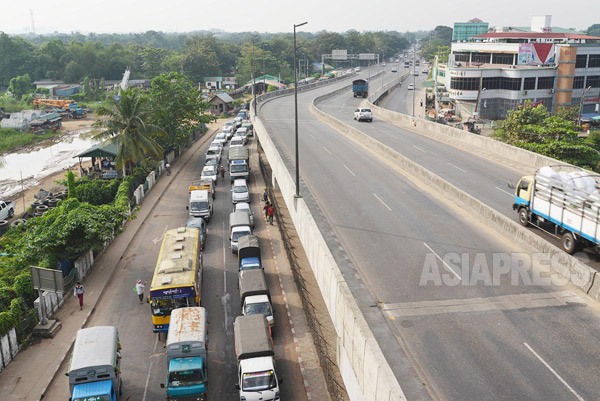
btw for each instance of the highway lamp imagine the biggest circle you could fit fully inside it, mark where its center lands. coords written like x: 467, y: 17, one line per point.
x: 253, y: 80
x: 296, y: 112
x: 581, y: 104
x: 414, y: 82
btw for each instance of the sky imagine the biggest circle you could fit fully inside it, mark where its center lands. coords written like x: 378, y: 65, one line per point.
x: 122, y: 16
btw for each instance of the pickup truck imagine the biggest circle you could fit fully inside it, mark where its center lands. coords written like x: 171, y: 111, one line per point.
x: 7, y: 210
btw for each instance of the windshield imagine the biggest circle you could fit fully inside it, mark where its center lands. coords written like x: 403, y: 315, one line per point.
x: 366, y: 110
x: 239, y: 168
x: 94, y: 398
x: 209, y: 172
x: 198, y: 205
x: 257, y: 309
x: 239, y: 234
x: 213, y: 151
x: 259, y: 381
x: 164, y: 305
x: 220, y: 137
x: 240, y: 189
x: 185, y: 378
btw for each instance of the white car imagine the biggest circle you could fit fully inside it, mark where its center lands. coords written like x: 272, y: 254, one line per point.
x: 217, y: 144
x: 221, y: 137
x: 210, y: 172
x: 241, y: 134
x: 231, y: 124
x: 356, y: 69
x: 411, y: 87
x: 238, y: 121
x: 394, y: 69
x: 349, y: 71
x: 228, y: 131
x: 363, y: 114
x: 236, y: 141
x: 245, y: 207
x: 240, y: 191
x: 383, y: 64
x: 214, y: 150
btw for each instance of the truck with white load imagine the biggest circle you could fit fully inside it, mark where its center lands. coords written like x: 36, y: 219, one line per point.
x: 255, y: 297
x: 187, y: 344
x: 94, y: 371
x: 239, y: 226
x: 566, y: 198
x: 257, y: 375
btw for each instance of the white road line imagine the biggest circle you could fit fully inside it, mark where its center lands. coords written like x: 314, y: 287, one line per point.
x: 349, y: 170
x: 326, y: 150
x: 580, y: 398
x: 312, y: 136
x: 224, y: 263
x: 506, y: 192
x: 442, y: 260
x: 458, y: 168
x: 416, y: 147
x: 379, y: 199
x: 150, y: 370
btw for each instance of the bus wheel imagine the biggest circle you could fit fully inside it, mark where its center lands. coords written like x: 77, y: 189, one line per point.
x: 523, y: 217
x: 568, y: 243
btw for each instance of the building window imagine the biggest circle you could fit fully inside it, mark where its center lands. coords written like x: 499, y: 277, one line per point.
x: 461, y: 57
x: 581, y: 61
x: 502, y: 58
x: 511, y: 84
x: 529, y: 84
x: 491, y: 83
x: 594, y: 61
x: 481, y: 57
x: 578, y: 82
x: 593, y: 81
x: 545, y: 83
x: 464, y: 84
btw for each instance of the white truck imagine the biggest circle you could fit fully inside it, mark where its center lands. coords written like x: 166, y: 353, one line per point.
x: 187, y: 344
x: 239, y: 226
x: 255, y: 297
x: 94, y: 371
x: 567, y: 199
x: 257, y: 375
x: 200, y: 204
x: 7, y: 210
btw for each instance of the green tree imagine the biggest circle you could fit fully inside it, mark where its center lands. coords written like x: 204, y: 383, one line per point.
x: 127, y: 125
x: 21, y: 85
x: 199, y: 59
x: 515, y: 127
x: 594, y: 30
x: 567, y: 113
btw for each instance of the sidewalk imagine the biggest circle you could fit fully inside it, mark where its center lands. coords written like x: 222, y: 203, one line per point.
x: 30, y: 373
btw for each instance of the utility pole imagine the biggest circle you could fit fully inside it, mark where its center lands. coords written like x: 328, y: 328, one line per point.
x: 581, y: 105
x: 414, y: 80
x: 253, y: 80
x: 296, y: 113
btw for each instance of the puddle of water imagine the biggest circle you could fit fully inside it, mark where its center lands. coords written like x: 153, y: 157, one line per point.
x: 43, y: 159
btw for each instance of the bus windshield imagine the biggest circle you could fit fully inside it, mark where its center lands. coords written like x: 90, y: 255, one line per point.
x: 164, y: 305
x: 185, y: 378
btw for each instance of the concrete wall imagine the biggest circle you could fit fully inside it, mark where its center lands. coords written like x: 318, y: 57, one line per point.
x: 9, y: 347
x: 579, y: 274
x: 364, y: 369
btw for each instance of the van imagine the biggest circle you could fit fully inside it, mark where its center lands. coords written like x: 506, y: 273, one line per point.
x: 200, y: 204
x: 239, y: 226
x: 240, y: 191
x: 236, y: 141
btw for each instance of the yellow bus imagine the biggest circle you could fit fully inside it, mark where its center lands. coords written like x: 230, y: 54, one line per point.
x: 177, y: 280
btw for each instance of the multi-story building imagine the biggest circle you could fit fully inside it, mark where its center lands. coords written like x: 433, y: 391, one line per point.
x: 466, y: 30
x: 497, y: 71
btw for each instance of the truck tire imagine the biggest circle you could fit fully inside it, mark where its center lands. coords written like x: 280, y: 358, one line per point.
x: 569, y: 243
x: 523, y: 217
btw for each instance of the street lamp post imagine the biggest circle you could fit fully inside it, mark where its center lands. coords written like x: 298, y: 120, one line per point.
x: 414, y: 81
x: 296, y: 112
x: 581, y: 105
x: 253, y: 80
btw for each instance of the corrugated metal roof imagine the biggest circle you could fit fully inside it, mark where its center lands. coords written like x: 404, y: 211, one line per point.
x: 534, y: 35
x: 224, y: 97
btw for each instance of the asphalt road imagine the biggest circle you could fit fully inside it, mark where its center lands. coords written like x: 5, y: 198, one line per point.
x: 464, y: 339
x: 144, y: 360
x: 400, y: 99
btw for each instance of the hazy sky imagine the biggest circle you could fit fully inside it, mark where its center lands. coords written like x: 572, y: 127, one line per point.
x: 280, y: 15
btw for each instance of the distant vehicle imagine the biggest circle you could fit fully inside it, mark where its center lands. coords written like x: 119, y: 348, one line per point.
x: 221, y: 137
x: 228, y: 131
x: 243, y: 132
x: 363, y: 115
x: 200, y: 204
x: 236, y: 141
x: 210, y: 172
x: 217, y: 144
x: 239, y: 226
x: 416, y: 63
x: 231, y: 124
x: 406, y: 64
x: 394, y: 69
x: 238, y: 121
x: 425, y: 71
x: 249, y: 128
x: 416, y: 73
x: 211, y: 161
x: 356, y: 69
x: 214, y: 150
x: 349, y: 71
x: 360, y: 88
x: 200, y: 224
x: 240, y: 191
x: 245, y: 207
x: 383, y: 64
x: 7, y: 209
x: 411, y: 87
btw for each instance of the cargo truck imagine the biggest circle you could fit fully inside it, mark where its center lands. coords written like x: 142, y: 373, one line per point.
x: 200, y: 204
x: 239, y: 226
x: 257, y: 375
x: 238, y: 159
x: 187, y: 343
x: 249, y: 253
x: 360, y: 88
x: 94, y: 371
x: 567, y: 199
x: 255, y: 297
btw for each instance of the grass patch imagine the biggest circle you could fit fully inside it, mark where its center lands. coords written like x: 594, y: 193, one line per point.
x: 11, y: 139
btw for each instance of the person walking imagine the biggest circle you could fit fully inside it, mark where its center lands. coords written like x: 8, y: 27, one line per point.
x: 222, y: 171
x: 78, y: 292
x: 168, y: 166
x: 265, y: 194
x: 139, y: 289
x: 270, y: 211
x: 266, y: 209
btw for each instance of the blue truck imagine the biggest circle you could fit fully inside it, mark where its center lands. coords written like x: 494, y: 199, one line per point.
x: 360, y: 88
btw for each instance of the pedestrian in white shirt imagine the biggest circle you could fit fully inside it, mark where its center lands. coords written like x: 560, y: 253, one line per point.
x: 139, y: 289
x: 78, y: 292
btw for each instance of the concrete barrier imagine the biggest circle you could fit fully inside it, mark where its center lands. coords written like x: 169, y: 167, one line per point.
x: 363, y: 367
x: 570, y: 268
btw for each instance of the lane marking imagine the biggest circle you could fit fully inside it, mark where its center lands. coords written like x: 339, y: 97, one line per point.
x: 442, y: 260
x: 349, y: 170
x: 458, y: 168
x: 224, y: 263
x: 580, y: 398
x: 327, y: 150
x: 379, y: 199
x: 506, y: 192
x: 149, y: 371
x: 312, y: 136
x: 159, y: 239
x: 416, y: 147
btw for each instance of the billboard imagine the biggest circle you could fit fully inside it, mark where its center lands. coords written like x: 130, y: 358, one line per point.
x: 367, y: 56
x: 339, y: 54
x: 536, y: 54
x: 47, y: 279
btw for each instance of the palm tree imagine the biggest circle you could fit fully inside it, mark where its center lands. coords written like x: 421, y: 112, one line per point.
x: 126, y: 125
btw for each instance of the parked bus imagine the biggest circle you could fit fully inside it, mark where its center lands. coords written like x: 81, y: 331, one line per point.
x: 177, y: 280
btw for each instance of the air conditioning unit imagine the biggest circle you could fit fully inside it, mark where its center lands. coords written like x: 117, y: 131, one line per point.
x: 525, y: 92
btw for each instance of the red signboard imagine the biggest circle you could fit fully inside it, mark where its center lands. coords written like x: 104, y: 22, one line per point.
x: 591, y: 99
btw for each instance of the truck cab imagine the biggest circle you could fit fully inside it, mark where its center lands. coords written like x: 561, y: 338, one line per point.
x: 101, y: 391
x: 239, y: 226
x: 200, y: 204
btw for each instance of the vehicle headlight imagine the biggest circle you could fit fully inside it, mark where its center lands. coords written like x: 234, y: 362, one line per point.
x: 276, y: 395
x: 242, y: 398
